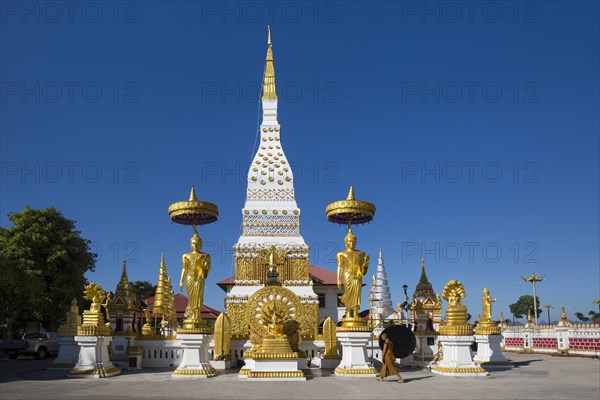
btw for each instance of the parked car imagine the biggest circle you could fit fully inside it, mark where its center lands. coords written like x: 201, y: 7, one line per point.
x: 39, y: 344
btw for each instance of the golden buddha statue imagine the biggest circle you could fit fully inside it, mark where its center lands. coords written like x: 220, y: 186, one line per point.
x: 352, y: 267
x: 196, y: 266
x: 486, y: 316
x: 93, y: 319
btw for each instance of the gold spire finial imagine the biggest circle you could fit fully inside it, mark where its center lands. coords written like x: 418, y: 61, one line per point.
x: 124, y: 272
x: 162, y: 259
x: 269, y: 92
x: 422, y: 263
x: 529, y: 316
x: 351, y: 193
x: 269, y: 38
x: 193, y: 194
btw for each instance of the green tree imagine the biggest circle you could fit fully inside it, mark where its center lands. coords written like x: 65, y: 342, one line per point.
x: 43, y: 259
x: 523, y: 305
x: 145, y: 287
x: 593, y: 316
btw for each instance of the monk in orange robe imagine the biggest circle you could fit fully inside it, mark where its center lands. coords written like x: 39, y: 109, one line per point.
x: 388, y: 358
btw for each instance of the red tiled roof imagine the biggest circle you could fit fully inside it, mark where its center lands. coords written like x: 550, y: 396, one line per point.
x: 181, y: 302
x: 320, y: 276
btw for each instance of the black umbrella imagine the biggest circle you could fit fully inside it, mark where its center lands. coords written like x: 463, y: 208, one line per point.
x: 402, y: 338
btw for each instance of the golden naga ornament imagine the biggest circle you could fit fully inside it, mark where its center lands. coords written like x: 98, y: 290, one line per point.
x: 93, y: 319
x: 352, y: 264
x: 196, y: 264
x: 272, y: 314
x: 456, y: 314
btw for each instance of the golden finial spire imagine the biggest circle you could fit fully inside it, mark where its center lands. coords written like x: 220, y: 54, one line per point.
x: 529, y: 316
x: 124, y: 272
x: 269, y: 38
x: 269, y: 92
x: 351, y: 193
x: 422, y: 263
x: 193, y: 194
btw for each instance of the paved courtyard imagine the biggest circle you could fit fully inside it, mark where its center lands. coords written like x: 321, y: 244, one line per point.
x: 533, y: 377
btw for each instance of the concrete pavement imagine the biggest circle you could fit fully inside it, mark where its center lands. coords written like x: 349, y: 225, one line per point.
x: 534, y: 376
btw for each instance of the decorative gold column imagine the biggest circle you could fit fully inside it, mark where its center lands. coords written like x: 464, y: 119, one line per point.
x: 352, y: 264
x: 196, y: 264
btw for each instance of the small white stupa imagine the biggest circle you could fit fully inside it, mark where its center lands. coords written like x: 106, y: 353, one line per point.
x: 381, y: 299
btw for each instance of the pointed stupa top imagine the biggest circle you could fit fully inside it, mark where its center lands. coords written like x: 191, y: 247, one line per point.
x: 124, y: 289
x: 160, y: 297
x: 193, y: 194
x: 381, y: 304
x: 269, y: 92
x: 424, y: 288
x: 351, y: 197
x: 124, y: 277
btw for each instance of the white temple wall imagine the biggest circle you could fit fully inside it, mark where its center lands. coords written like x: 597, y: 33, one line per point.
x: 573, y: 339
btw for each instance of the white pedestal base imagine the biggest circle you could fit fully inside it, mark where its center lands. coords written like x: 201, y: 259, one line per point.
x: 330, y: 363
x: 354, y: 361
x: 489, y: 351
x: 194, y: 361
x: 93, y: 360
x: 276, y: 370
x: 457, y: 359
x: 222, y: 364
x: 68, y: 353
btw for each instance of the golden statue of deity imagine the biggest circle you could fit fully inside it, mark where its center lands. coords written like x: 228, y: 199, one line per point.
x: 93, y: 319
x: 196, y: 266
x: 486, y: 315
x: 352, y: 267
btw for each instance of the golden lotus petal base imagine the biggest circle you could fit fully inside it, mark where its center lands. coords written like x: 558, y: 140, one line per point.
x: 461, y: 370
x: 491, y: 329
x: 196, y: 331
x: 207, y: 372
x: 276, y: 346
x: 85, y: 330
x: 275, y: 356
x: 275, y: 374
x: 356, y: 324
x: 244, y: 371
x: 364, y: 371
x: 102, y: 372
x: 456, y: 330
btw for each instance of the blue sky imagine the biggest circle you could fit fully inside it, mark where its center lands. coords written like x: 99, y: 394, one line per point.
x: 474, y: 128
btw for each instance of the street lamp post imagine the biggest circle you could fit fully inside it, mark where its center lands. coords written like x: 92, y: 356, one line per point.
x: 405, y: 304
x: 548, y: 307
x: 533, y: 279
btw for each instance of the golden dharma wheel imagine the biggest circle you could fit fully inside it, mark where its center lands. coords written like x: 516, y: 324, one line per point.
x: 350, y: 211
x: 193, y: 212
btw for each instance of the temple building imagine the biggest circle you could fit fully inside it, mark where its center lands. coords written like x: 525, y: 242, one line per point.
x: 426, y: 308
x: 380, y: 298
x: 122, y: 305
x: 180, y: 301
x: 270, y: 228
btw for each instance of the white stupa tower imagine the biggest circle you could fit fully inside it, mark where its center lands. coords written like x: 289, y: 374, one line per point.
x: 381, y: 300
x: 271, y: 217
